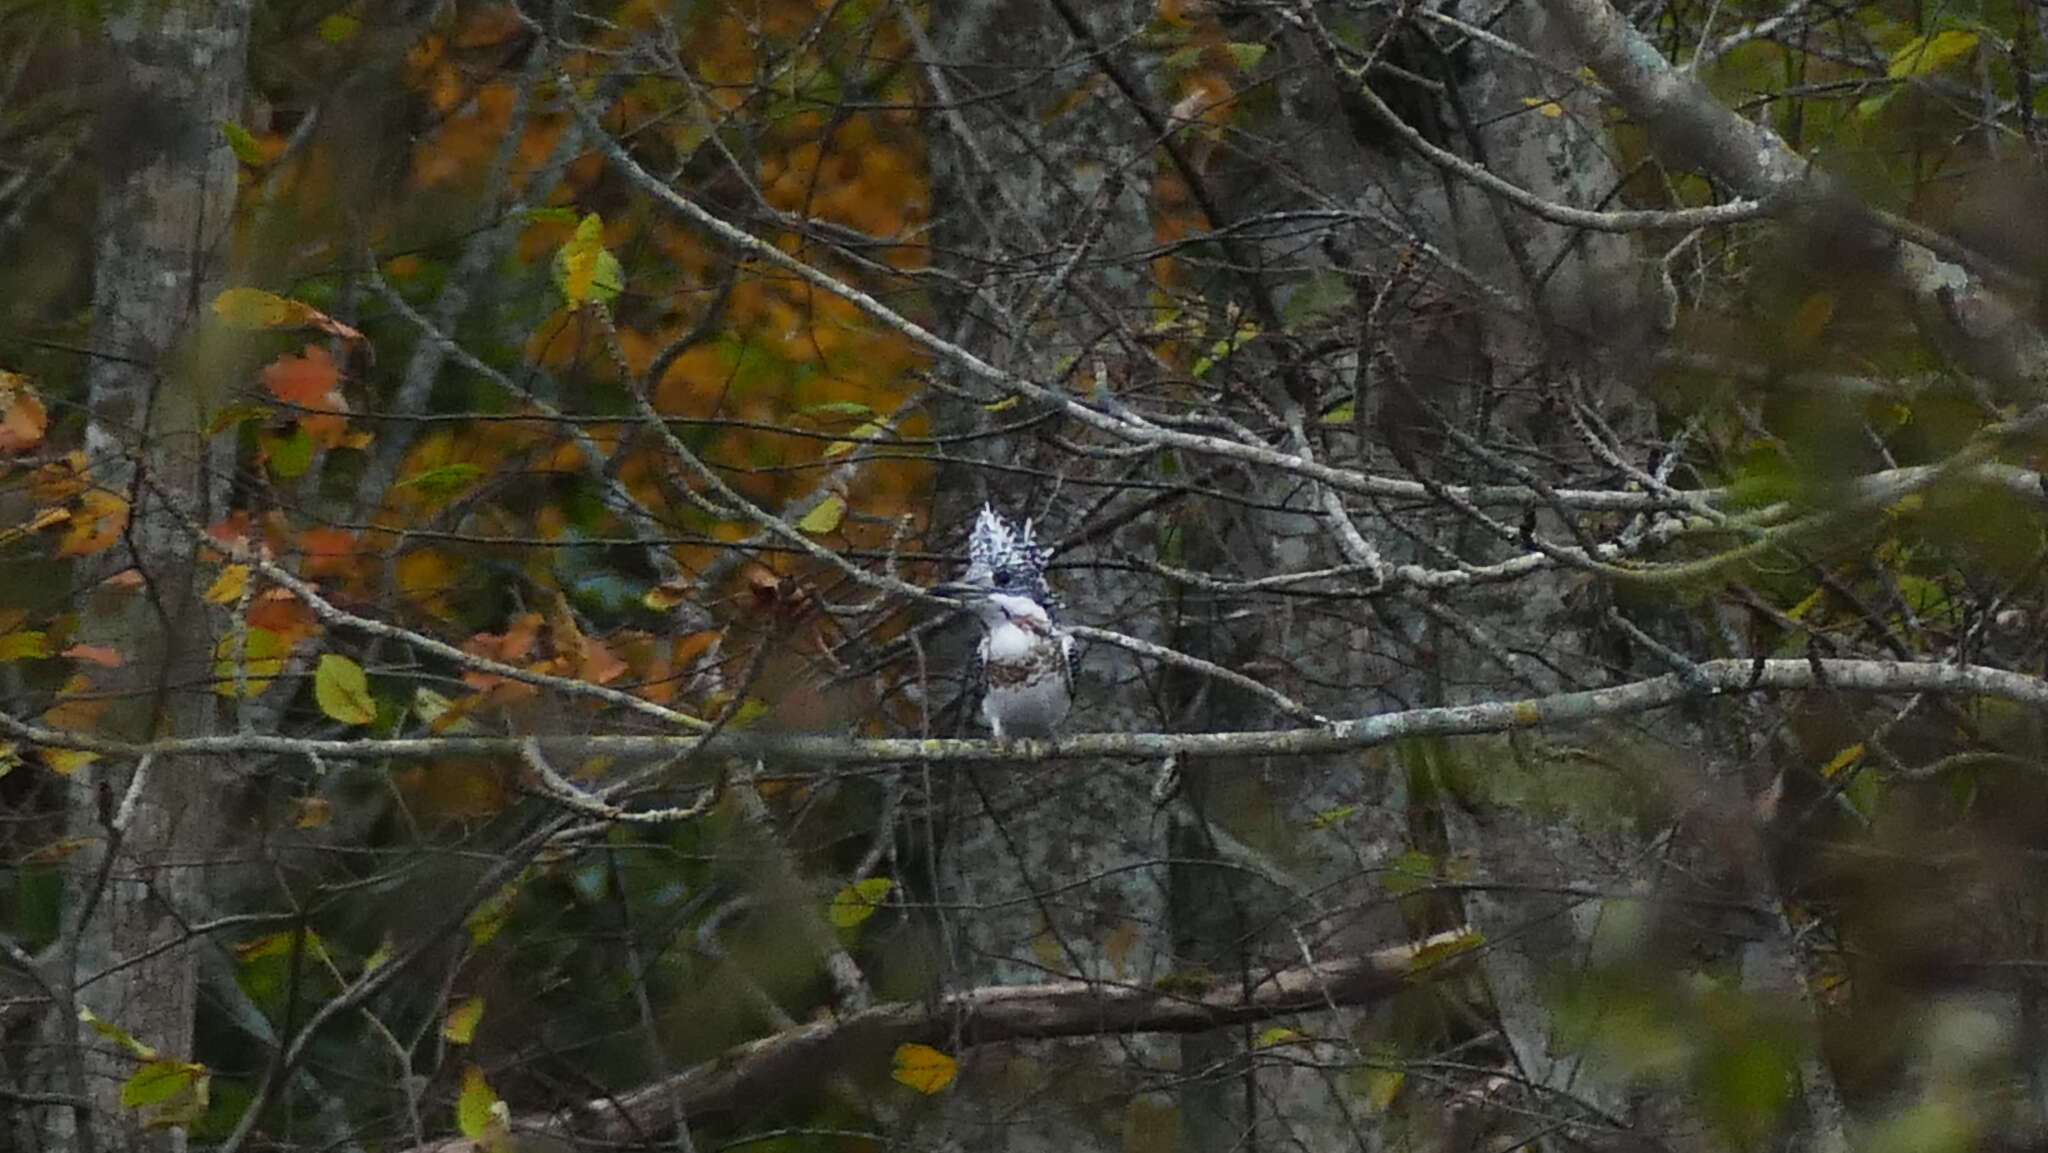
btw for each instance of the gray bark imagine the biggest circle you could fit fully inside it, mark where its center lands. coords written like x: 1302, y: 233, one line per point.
x: 167, y: 194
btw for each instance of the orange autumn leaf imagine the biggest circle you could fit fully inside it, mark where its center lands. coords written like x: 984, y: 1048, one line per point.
x: 512, y: 647
x: 75, y: 710
x: 43, y: 519
x: 327, y: 551
x: 597, y: 664
x: 22, y: 416
x: 313, y: 382
x: 100, y: 655
x: 302, y: 380
x: 95, y: 525
x: 59, y: 480
x: 279, y: 611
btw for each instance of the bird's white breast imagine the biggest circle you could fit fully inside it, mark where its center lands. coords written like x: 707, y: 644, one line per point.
x: 1032, y: 709
x: 1010, y: 642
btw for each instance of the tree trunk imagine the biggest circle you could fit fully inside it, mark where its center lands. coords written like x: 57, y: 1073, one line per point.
x: 167, y: 193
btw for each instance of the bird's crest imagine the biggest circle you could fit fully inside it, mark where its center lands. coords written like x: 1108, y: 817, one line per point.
x: 1004, y: 557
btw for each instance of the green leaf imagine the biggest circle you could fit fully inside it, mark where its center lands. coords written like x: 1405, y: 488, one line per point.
x: 490, y: 916
x: 477, y: 1106
x: 824, y: 517
x: 1277, y: 1035
x: 241, y: 143
x: 336, y: 27
x: 461, y: 1022
x: 1246, y: 54
x: 840, y: 408
x: 584, y: 271
x: 1924, y: 54
x: 1408, y: 872
x: 376, y: 960
x: 1319, y: 298
x: 178, y: 1090
x: 116, y: 1034
x: 1340, y: 415
x: 443, y: 481
x: 1329, y: 817
x: 290, y: 455
x: 857, y: 902
x: 342, y: 690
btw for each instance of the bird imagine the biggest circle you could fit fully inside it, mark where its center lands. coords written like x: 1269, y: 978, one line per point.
x: 1024, y: 665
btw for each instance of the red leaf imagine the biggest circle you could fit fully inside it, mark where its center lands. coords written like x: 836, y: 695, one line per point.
x: 328, y: 551
x: 97, y: 654
x: 303, y: 380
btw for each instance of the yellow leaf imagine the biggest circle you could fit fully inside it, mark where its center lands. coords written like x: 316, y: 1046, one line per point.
x: 1277, y: 1035
x: 1550, y: 108
x: 65, y: 762
x: 1437, y: 952
x: 96, y: 524
x: 1842, y: 760
x: 923, y: 1068
x: 857, y: 902
x: 227, y: 588
x: 1924, y: 54
x: 665, y: 596
x: 375, y: 961
x: 825, y: 517
x: 460, y: 1023
x: 312, y: 812
x: 1806, y: 604
x: 24, y: 646
x: 342, y: 690
x: 584, y: 271
x: 253, y: 308
x: 244, y: 665
x: 866, y: 430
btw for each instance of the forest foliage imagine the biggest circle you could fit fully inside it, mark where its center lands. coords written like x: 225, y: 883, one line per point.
x: 510, y: 445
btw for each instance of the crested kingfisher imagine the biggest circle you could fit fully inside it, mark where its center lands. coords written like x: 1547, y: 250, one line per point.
x: 1024, y: 666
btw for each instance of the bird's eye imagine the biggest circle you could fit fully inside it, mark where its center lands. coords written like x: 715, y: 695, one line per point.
x: 1005, y: 579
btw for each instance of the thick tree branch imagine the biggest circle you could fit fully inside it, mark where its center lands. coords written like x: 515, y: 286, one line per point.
x: 1959, y: 310
x: 749, y: 1075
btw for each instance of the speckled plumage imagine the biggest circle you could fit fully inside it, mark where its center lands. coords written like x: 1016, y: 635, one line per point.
x: 1024, y: 665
